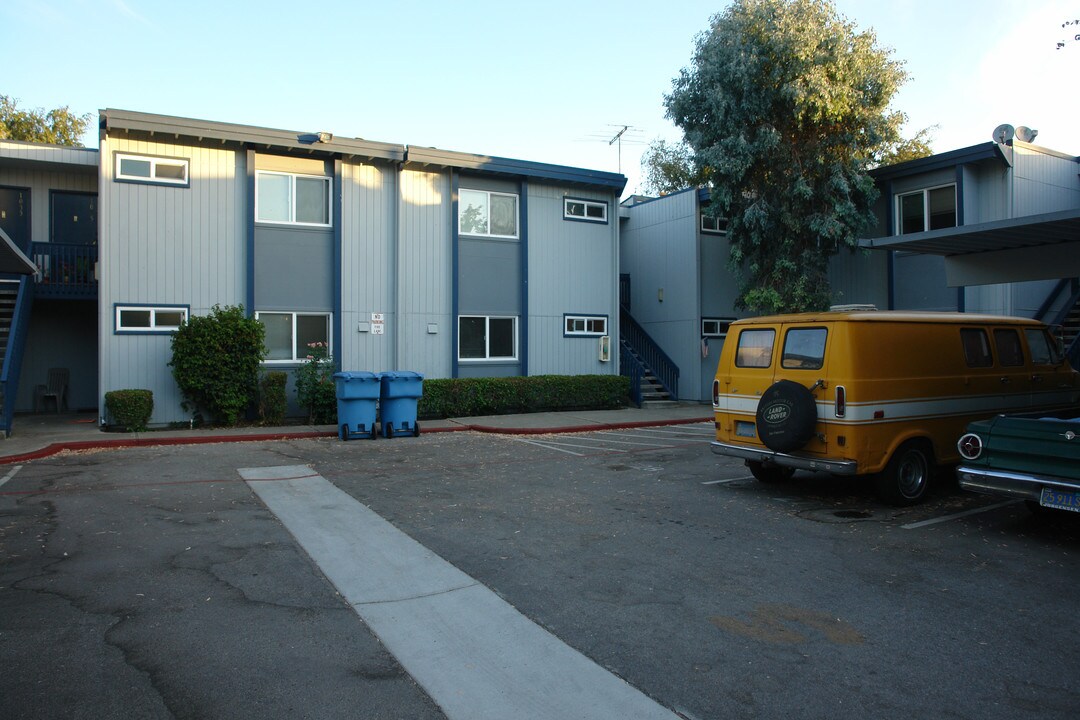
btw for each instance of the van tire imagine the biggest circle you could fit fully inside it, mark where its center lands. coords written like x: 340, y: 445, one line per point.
x: 786, y: 416
x: 906, y: 479
x: 770, y: 473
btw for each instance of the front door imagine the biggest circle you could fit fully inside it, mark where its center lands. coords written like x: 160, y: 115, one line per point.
x: 73, y: 218
x: 15, y: 216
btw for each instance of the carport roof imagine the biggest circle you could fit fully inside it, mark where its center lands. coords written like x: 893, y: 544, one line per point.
x: 1016, y: 233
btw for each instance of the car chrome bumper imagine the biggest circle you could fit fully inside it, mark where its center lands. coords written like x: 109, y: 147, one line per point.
x: 1026, y: 486
x: 768, y: 457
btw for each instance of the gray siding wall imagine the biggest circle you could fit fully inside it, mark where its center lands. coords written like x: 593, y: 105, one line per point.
x: 719, y: 288
x: 166, y: 246
x: 573, y: 270
x: 62, y: 333
x: 1044, y: 181
x: 294, y: 269
x: 861, y: 276
x: 660, y: 249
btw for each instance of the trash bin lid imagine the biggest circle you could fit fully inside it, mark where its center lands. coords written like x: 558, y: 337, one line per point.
x: 356, y: 375
x: 401, y: 375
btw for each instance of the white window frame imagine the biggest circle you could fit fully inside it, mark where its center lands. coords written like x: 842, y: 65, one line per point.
x: 925, y: 192
x: 487, y: 340
x: 585, y: 320
x: 295, y: 360
x: 154, y: 327
x: 154, y: 161
x: 585, y: 205
x: 724, y: 323
x: 714, y: 230
x: 292, y: 198
x: 489, y: 193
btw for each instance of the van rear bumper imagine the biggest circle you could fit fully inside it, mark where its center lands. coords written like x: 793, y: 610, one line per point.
x: 768, y: 457
x: 1027, y: 486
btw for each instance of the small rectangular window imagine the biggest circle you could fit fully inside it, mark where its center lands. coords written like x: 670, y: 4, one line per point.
x: 150, y: 169
x: 585, y: 325
x: 755, y: 348
x: 1009, y: 351
x: 713, y: 225
x: 715, y: 327
x: 288, y: 198
x: 586, y: 210
x: 487, y: 338
x: 487, y: 213
x: 291, y: 335
x: 976, y: 347
x: 149, y: 319
x: 804, y: 349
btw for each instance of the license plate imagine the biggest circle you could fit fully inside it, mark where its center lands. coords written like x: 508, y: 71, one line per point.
x: 1061, y: 500
x: 744, y: 429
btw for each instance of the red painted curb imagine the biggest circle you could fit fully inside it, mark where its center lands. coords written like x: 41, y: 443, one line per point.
x: 76, y: 445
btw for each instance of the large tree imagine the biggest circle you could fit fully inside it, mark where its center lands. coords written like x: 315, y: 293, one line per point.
x: 58, y: 127
x: 786, y: 106
x: 669, y: 167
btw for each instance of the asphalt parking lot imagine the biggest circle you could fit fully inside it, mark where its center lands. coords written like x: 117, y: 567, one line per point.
x: 154, y: 582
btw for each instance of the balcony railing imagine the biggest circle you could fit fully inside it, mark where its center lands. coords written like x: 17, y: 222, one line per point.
x: 65, y: 269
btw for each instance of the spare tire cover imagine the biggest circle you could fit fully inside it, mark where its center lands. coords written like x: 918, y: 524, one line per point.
x: 786, y: 415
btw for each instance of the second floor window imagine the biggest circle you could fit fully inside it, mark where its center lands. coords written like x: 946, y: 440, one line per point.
x: 287, y: 198
x: 487, y: 213
x: 922, y: 210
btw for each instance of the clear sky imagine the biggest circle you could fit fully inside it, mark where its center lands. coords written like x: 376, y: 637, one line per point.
x: 550, y: 81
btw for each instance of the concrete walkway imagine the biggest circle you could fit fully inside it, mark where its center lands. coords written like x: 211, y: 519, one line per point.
x: 42, y: 435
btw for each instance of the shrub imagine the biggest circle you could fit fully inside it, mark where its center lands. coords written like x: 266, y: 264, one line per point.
x: 315, y: 389
x: 215, y: 361
x: 272, y: 400
x: 131, y: 409
x: 467, y: 397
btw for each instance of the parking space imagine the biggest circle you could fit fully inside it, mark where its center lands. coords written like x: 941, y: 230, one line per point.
x: 710, y: 593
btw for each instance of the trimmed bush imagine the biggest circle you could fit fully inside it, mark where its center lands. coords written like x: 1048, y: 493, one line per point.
x: 130, y: 409
x: 215, y: 361
x: 316, y: 391
x: 469, y: 397
x: 272, y: 399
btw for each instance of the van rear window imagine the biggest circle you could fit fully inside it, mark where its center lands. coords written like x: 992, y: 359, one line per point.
x: 804, y: 349
x: 1044, y: 351
x: 755, y: 348
x: 976, y: 347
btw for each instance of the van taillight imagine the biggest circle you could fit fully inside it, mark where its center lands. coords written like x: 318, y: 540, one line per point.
x: 715, y: 392
x: 841, y: 401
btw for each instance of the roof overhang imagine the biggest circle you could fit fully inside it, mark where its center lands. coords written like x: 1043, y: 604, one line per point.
x: 207, y: 132
x: 12, y: 259
x: 418, y: 156
x: 1034, y: 247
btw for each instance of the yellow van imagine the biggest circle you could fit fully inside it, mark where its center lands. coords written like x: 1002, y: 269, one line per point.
x: 878, y: 394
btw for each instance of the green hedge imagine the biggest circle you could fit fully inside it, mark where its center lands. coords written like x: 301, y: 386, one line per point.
x: 469, y: 397
x: 272, y: 398
x: 130, y: 409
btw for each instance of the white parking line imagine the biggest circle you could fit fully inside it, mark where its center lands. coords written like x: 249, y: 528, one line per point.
x: 728, y: 480
x: 11, y: 474
x: 549, y: 447
x: 554, y: 445
x: 624, y: 442
x: 954, y: 516
x: 704, y: 432
x: 476, y: 656
x: 649, y: 435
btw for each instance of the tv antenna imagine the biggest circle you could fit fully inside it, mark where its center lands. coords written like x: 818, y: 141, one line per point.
x: 623, y: 133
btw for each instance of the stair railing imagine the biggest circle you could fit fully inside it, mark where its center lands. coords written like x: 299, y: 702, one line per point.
x: 663, y: 367
x: 631, y: 367
x: 13, y: 354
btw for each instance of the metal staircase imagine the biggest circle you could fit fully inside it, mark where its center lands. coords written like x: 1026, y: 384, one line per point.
x: 1068, y: 317
x: 654, y: 378
x: 15, y: 300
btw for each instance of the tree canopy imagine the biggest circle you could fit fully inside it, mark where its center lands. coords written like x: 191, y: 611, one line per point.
x: 786, y: 107
x: 669, y: 167
x: 58, y: 127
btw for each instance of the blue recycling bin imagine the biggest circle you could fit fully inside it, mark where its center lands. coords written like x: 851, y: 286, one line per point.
x: 399, y: 393
x: 357, y: 393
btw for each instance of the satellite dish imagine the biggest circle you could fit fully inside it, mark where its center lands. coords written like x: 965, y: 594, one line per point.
x: 1026, y: 134
x: 1003, y: 133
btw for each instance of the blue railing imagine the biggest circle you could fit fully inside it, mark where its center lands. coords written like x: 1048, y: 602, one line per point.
x: 662, y: 366
x: 13, y: 354
x: 66, y: 269
x: 632, y: 368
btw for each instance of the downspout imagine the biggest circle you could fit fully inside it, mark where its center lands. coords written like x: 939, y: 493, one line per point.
x: 399, y: 242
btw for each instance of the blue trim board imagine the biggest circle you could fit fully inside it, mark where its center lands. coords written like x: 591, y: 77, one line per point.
x: 249, y: 295
x: 336, y: 339
x: 454, y: 280
x: 975, y: 153
x: 523, y: 232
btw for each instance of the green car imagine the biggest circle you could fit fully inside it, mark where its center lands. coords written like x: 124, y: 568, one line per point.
x: 1034, y: 457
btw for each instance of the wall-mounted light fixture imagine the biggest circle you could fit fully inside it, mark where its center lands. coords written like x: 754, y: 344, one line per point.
x: 660, y: 295
x: 325, y: 137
